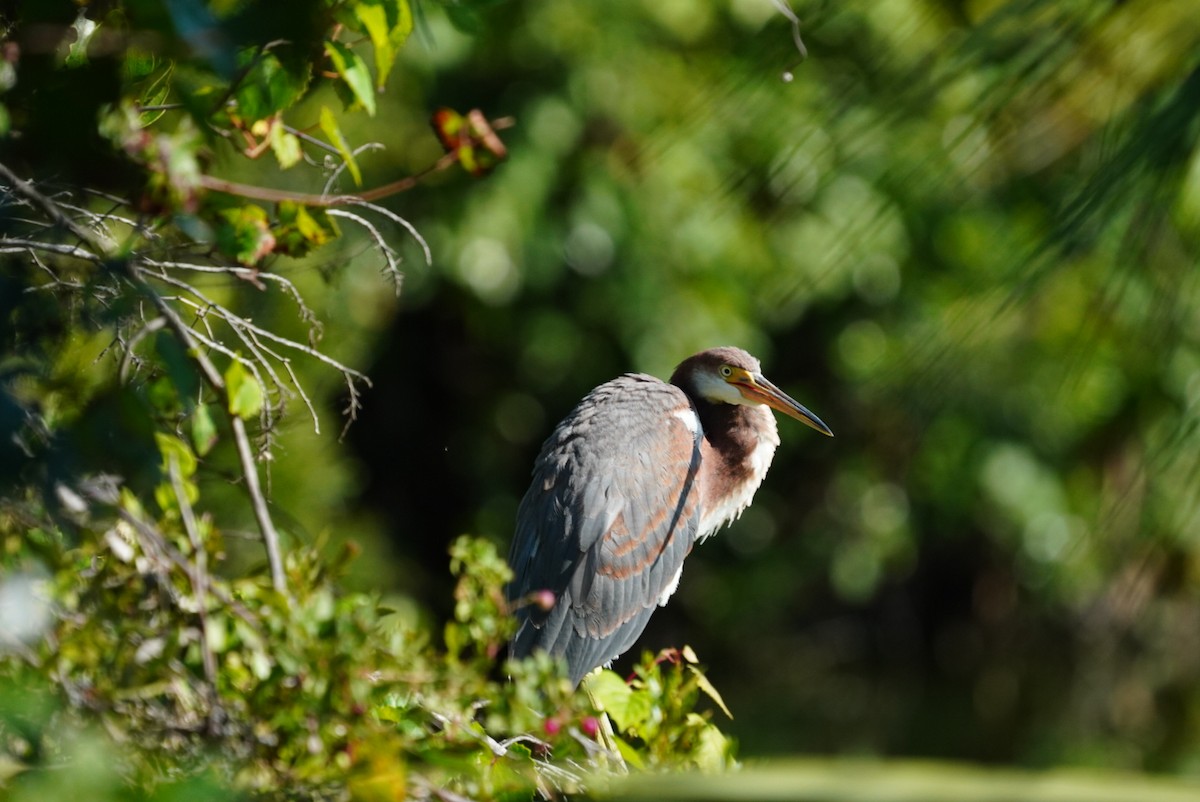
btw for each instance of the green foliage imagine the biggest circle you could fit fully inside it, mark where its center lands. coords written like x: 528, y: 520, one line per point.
x: 301, y: 229
x: 966, y: 234
x: 245, y: 393
x: 654, y: 713
x: 317, y: 691
x: 245, y: 234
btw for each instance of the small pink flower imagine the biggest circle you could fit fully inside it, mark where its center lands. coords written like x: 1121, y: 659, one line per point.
x: 545, y: 599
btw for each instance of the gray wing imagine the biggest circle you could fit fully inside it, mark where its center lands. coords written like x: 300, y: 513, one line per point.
x: 611, y: 514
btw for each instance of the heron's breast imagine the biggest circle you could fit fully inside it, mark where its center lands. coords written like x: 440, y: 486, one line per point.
x: 730, y: 485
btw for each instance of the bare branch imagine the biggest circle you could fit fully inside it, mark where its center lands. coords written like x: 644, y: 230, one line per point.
x: 14, y: 245
x: 400, y: 221
x: 341, y: 168
x: 59, y: 219
x: 270, y: 335
x: 51, y: 210
x: 249, y: 469
x: 129, y: 356
x: 306, y: 313
x: 393, y: 261
x: 197, y: 571
x: 259, y: 502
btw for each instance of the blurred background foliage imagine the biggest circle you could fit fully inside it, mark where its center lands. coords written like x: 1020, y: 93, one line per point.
x: 966, y: 234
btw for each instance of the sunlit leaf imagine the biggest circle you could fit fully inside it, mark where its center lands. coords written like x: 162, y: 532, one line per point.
x: 243, y: 390
x: 178, y: 464
x: 174, y: 449
x: 270, y: 85
x: 330, y: 127
x: 301, y: 229
x: 354, y: 72
x: 245, y: 234
x: 388, y: 23
x: 613, y: 696
x: 709, y: 690
x: 204, y: 431
x: 286, y: 146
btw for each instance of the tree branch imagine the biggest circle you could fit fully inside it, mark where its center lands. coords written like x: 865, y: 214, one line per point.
x: 97, y: 249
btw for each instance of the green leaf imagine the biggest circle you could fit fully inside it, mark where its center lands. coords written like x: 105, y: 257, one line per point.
x: 285, y: 146
x: 270, y: 85
x: 613, y: 696
x: 204, y: 431
x: 710, y: 690
x: 301, y: 229
x: 388, y: 23
x: 174, y: 450
x: 171, y: 447
x: 157, y: 93
x: 245, y: 234
x: 330, y: 127
x: 631, y: 756
x: 354, y: 72
x: 180, y: 368
x: 244, y: 392
x: 712, y: 753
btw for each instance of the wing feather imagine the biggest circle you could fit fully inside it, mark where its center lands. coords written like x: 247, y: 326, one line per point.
x: 611, y: 513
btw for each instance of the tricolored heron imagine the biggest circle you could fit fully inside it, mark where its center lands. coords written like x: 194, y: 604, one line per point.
x: 637, y: 473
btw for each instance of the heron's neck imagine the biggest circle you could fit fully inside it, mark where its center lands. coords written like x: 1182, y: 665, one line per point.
x: 739, y: 442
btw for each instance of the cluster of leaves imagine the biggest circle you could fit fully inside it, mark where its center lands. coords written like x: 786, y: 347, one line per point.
x: 156, y: 98
x: 654, y: 712
x: 314, y: 692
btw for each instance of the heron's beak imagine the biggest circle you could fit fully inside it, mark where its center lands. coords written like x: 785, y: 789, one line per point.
x: 757, y: 387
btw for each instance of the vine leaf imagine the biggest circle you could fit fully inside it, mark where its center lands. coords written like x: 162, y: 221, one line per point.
x: 270, y: 86
x: 301, y: 229
x: 330, y: 127
x: 245, y: 234
x: 285, y: 146
x: 354, y: 72
x: 388, y: 23
x: 204, y: 430
x: 245, y: 394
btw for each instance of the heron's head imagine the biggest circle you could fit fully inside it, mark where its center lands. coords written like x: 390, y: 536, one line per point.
x: 731, y: 376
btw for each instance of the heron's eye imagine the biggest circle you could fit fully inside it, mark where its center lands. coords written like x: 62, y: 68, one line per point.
x: 726, y: 371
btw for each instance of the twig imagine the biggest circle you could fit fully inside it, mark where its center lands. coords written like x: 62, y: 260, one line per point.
x: 400, y: 221
x: 253, y: 192
x: 259, y: 502
x: 235, y: 319
x: 306, y: 314
x: 51, y: 210
x: 129, y: 356
x: 310, y: 139
x: 287, y: 364
x: 341, y: 168
x: 167, y: 550
x: 249, y: 469
x: 13, y: 245
x: 393, y: 265
x: 198, y: 576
